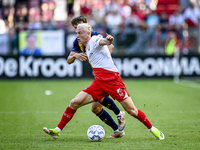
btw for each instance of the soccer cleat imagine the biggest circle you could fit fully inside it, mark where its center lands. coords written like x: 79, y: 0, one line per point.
x: 117, y: 134
x: 121, y: 121
x: 158, y: 134
x: 52, y: 132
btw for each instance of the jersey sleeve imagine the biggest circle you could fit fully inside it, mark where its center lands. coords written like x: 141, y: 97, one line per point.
x: 94, y: 33
x: 75, y: 47
x: 95, y: 41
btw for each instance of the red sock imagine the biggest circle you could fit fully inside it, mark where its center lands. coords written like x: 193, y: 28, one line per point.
x: 67, y: 116
x: 142, y: 118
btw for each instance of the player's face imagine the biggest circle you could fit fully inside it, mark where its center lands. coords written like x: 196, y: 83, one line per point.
x: 81, y: 35
x: 31, y: 42
x: 75, y: 26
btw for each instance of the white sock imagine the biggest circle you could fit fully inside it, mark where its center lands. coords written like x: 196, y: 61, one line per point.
x: 58, y: 129
x: 119, y: 113
x: 152, y: 128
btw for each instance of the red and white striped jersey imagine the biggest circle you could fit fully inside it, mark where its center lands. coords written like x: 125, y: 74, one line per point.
x: 99, y: 55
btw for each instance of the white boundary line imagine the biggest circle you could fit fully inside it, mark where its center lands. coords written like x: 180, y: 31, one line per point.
x: 188, y: 83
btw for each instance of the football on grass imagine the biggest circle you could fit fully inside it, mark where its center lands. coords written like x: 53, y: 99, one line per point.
x: 95, y: 133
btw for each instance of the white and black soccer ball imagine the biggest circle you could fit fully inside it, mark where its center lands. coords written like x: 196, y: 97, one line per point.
x: 95, y: 133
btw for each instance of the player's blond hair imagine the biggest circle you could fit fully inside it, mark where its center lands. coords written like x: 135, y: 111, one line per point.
x: 85, y: 26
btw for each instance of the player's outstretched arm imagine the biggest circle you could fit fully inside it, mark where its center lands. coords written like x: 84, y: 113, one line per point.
x: 74, y: 55
x: 107, y: 41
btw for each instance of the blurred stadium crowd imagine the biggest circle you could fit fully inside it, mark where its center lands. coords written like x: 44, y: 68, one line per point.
x: 138, y: 26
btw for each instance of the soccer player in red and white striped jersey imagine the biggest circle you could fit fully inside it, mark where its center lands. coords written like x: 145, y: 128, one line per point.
x: 107, y: 79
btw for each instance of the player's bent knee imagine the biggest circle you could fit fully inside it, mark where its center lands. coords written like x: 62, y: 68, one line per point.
x: 96, y: 110
x: 74, y: 104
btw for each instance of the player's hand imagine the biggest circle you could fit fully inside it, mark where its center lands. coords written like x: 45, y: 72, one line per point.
x: 109, y: 37
x: 81, y: 56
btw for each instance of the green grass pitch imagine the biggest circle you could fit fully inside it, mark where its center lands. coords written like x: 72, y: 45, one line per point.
x: 25, y: 110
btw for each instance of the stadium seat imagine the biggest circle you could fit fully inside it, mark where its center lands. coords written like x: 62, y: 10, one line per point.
x: 168, y: 2
x: 169, y: 6
x: 160, y: 8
